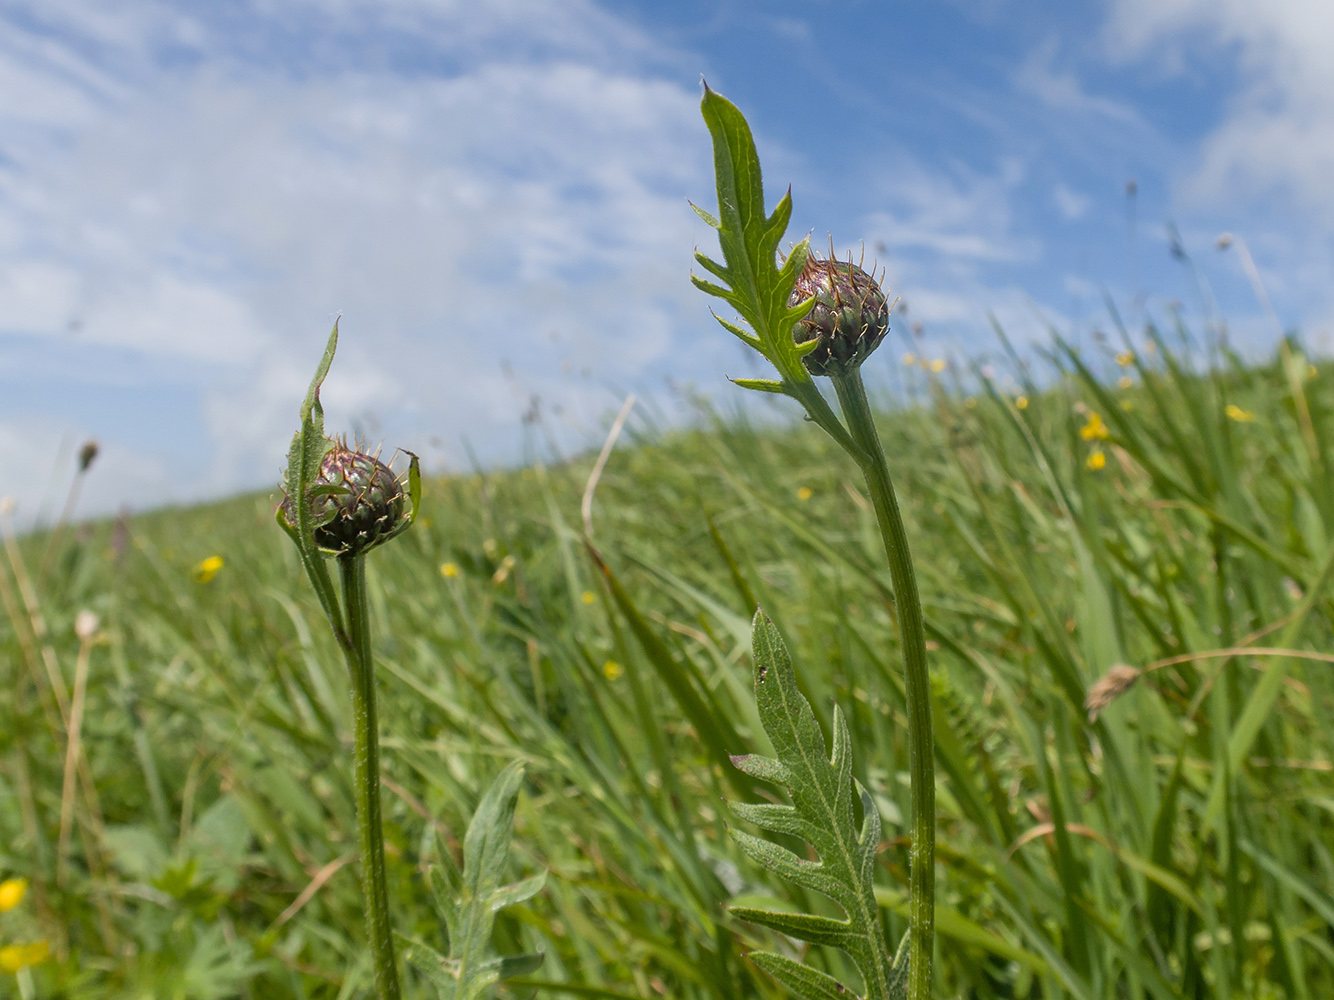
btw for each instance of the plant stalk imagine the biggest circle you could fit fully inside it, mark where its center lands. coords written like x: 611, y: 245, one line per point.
x: 366, y: 776
x: 917, y: 680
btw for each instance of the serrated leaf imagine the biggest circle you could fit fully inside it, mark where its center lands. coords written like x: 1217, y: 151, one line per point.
x: 468, y: 900
x: 304, y: 458
x: 805, y: 982
x: 761, y: 385
x: 749, y: 239
x: 805, y: 926
x: 823, y: 813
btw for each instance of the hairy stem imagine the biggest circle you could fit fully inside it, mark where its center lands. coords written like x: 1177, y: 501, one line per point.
x: 367, y: 775
x: 921, y: 746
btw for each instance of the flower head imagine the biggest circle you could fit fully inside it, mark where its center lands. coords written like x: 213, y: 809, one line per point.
x: 1097, y: 460
x: 15, y: 956
x: 849, y: 318
x: 1095, y: 429
x: 357, y: 502
x: 12, y: 891
x: 206, y: 569
x: 1235, y: 412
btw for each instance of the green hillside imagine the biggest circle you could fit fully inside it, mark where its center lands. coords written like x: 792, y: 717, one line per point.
x: 201, y: 842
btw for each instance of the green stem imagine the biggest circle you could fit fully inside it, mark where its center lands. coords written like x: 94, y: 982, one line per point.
x: 367, y: 775
x: 917, y: 680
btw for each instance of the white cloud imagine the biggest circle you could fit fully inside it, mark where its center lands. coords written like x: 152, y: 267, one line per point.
x: 1062, y: 90
x: 1071, y: 204
x: 960, y: 214
x: 1278, y: 134
x: 45, y: 449
x: 214, y: 216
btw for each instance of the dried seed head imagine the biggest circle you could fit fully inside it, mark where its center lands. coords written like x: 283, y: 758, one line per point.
x: 849, y: 318
x: 1107, y: 688
x: 357, y: 502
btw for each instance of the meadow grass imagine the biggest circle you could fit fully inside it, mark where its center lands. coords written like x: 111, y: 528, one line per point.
x: 1176, y: 845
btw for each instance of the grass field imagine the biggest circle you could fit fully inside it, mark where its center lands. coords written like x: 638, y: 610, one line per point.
x: 1128, y: 512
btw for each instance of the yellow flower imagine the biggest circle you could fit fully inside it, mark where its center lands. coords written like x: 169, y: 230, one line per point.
x: 611, y: 670
x: 1235, y: 412
x: 1124, y: 382
x: 449, y: 570
x: 1125, y: 359
x: 910, y: 359
x: 207, y: 569
x: 1126, y: 405
x: 805, y: 493
x: 1021, y: 403
x: 587, y: 597
x: 1312, y: 371
x: 1095, y: 429
x: 1096, y: 460
x: 15, y: 956
x: 12, y: 891
x: 938, y: 365
x: 970, y: 403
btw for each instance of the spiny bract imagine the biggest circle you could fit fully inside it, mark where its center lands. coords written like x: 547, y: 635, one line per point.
x: 357, y: 502
x: 849, y: 318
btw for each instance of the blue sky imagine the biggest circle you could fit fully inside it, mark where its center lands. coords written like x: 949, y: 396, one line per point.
x: 493, y: 196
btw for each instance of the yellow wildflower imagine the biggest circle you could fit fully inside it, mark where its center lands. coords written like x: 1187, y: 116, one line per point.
x: 1312, y: 371
x: 970, y: 403
x: 206, y: 569
x: 449, y: 570
x: 1235, y: 412
x: 910, y: 359
x: 12, y: 891
x: 1096, y: 460
x: 611, y: 670
x: 938, y: 365
x: 805, y: 493
x: 1125, y: 359
x: 1124, y: 382
x: 15, y: 956
x: 1021, y: 403
x: 587, y: 597
x: 1095, y: 429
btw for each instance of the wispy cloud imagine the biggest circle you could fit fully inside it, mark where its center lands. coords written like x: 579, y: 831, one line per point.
x: 205, y: 218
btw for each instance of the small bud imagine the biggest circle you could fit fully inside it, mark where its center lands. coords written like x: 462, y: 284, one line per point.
x: 86, y: 454
x: 358, y: 502
x: 849, y: 318
x: 86, y: 624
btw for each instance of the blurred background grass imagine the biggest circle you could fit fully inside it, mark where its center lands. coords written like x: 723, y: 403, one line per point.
x: 1127, y: 510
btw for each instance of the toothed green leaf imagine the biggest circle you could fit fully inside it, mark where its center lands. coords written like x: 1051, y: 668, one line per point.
x: 756, y: 286
x: 296, y: 515
x: 825, y: 797
x: 468, y: 901
x: 761, y: 385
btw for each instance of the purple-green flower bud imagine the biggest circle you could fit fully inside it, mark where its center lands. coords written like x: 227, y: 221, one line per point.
x: 357, y: 502
x: 849, y: 318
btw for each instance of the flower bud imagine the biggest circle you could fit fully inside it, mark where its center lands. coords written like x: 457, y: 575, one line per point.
x: 849, y: 318
x: 357, y: 502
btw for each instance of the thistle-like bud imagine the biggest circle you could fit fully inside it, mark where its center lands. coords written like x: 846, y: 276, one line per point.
x: 357, y: 502
x: 849, y: 318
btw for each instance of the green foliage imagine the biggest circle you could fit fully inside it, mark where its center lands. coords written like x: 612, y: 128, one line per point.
x: 1201, y: 532
x: 468, y: 901
x: 822, y: 814
x: 756, y: 286
x: 296, y: 515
